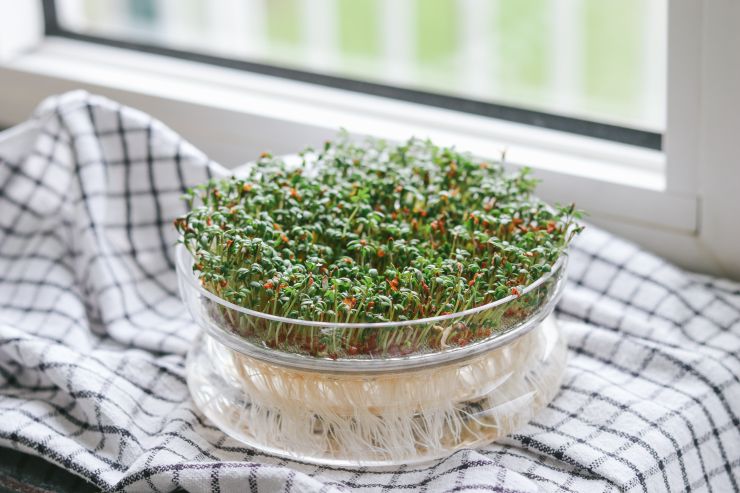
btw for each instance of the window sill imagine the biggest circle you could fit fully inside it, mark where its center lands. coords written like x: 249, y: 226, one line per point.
x: 233, y: 115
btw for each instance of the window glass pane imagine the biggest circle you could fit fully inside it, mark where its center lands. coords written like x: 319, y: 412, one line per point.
x: 601, y: 60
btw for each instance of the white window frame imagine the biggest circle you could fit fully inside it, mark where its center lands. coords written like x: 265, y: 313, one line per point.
x: 675, y: 202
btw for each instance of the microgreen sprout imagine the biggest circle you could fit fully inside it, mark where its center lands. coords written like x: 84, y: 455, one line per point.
x: 373, y: 233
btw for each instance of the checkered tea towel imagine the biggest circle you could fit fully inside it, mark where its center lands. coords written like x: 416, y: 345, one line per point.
x: 93, y: 338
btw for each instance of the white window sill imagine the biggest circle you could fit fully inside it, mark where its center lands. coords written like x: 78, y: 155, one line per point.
x: 233, y: 115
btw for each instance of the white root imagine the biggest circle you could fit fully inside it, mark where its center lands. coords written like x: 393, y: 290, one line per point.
x: 381, y: 418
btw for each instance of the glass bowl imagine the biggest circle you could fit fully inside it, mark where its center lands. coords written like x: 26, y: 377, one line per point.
x: 374, y: 394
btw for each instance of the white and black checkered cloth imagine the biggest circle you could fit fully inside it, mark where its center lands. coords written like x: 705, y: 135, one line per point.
x: 93, y: 338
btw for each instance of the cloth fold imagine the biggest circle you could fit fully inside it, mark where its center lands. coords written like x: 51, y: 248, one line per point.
x: 93, y: 338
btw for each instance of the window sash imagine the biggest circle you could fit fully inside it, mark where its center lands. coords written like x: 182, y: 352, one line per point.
x: 542, y: 119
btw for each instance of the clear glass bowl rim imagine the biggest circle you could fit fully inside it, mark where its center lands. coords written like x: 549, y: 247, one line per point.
x: 383, y: 364
x: 183, y: 255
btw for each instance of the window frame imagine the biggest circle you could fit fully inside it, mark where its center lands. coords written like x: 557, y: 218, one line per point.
x: 543, y: 119
x: 660, y: 199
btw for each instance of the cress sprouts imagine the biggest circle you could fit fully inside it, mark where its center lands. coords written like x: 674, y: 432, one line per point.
x: 372, y: 232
